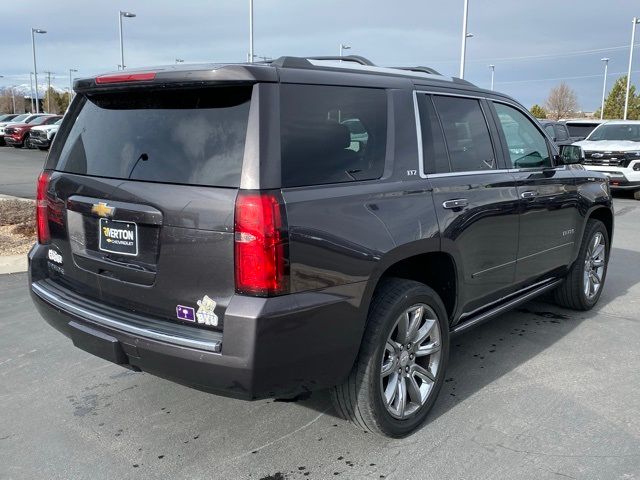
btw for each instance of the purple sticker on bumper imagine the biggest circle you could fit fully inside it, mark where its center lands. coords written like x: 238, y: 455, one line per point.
x: 185, y: 313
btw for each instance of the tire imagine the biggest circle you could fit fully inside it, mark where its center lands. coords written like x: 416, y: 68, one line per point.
x: 360, y: 399
x: 636, y: 194
x: 43, y: 148
x: 25, y: 142
x: 572, y: 293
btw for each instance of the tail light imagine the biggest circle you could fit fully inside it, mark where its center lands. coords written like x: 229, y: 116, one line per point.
x: 261, y: 244
x: 42, y: 208
x: 125, y: 77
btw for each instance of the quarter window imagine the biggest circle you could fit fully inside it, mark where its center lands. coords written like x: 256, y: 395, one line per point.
x: 527, y: 146
x: 332, y: 134
x: 466, y: 132
x: 434, y: 151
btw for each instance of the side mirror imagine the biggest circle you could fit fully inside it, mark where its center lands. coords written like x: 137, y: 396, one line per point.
x: 571, y: 154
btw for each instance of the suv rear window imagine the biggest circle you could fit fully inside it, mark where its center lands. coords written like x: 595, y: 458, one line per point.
x: 193, y: 137
x: 332, y: 134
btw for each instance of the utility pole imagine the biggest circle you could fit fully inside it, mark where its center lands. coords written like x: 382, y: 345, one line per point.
x: 13, y: 98
x: 48, y: 91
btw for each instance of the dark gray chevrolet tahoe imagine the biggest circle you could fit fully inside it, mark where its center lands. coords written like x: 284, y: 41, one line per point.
x: 265, y: 230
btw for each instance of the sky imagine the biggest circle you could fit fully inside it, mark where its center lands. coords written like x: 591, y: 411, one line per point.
x: 533, y: 44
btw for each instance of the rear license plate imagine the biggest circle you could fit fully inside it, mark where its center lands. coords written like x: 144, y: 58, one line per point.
x: 118, y: 237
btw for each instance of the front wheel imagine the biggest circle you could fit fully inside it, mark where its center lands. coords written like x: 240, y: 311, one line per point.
x: 401, y: 365
x: 26, y: 143
x: 583, y: 284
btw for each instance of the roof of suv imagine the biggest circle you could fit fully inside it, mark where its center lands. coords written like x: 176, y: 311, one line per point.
x: 347, y: 70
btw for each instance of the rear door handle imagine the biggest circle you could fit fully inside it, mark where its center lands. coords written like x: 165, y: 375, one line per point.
x: 529, y: 194
x: 457, y: 203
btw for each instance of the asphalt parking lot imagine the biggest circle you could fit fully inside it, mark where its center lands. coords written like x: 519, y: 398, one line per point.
x: 540, y: 392
x: 19, y: 171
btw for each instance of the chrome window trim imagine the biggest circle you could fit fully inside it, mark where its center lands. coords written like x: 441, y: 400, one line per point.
x: 416, y: 114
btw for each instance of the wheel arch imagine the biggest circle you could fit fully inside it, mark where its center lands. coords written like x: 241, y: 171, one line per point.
x: 408, y: 262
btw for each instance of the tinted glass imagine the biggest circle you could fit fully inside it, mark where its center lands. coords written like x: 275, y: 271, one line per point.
x: 527, y: 146
x: 550, y: 131
x: 191, y: 137
x: 332, y: 134
x: 40, y: 120
x: 561, y: 133
x: 20, y: 118
x: 621, y: 131
x: 467, y: 134
x: 580, y: 130
x: 434, y: 151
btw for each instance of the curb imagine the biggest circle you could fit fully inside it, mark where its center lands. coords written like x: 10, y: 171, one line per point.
x: 13, y: 263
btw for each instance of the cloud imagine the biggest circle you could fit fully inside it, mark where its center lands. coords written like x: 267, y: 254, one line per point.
x: 84, y: 35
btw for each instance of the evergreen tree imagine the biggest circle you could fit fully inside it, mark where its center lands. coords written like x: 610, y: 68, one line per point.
x: 614, y: 103
x: 538, y: 112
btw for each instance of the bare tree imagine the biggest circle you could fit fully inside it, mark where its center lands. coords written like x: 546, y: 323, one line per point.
x: 562, y: 102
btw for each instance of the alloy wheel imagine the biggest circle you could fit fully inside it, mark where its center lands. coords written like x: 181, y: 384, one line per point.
x: 410, y: 361
x: 594, y: 265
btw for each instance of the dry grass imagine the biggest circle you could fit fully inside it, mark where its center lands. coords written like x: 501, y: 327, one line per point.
x: 17, y: 226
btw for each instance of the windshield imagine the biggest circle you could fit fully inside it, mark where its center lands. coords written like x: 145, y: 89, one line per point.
x: 20, y: 118
x: 38, y: 120
x: 629, y: 132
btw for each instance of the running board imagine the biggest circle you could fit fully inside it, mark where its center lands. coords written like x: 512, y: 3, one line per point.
x: 503, y: 307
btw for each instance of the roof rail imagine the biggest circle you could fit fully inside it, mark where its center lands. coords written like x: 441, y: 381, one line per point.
x: 419, y: 69
x: 347, y: 58
x: 303, y: 62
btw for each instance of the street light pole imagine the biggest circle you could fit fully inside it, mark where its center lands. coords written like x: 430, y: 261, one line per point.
x: 35, y: 68
x: 48, y: 91
x: 251, y: 31
x: 71, y: 70
x: 633, y: 39
x: 493, y: 72
x: 604, y: 86
x: 31, y: 87
x: 463, y: 50
x: 344, y: 47
x: 122, y: 14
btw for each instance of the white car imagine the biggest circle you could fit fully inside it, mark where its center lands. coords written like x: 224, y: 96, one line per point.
x: 613, y: 148
x: 42, y: 135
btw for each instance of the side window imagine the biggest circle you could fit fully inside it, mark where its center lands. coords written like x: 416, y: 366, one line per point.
x: 550, y: 131
x: 434, y: 151
x: 332, y: 134
x: 561, y: 133
x: 466, y: 132
x: 527, y: 146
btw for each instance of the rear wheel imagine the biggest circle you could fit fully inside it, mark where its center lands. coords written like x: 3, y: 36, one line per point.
x: 402, y: 360
x: 583, y: 284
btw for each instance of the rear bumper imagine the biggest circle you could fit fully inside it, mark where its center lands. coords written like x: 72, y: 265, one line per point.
x: 270, y: 347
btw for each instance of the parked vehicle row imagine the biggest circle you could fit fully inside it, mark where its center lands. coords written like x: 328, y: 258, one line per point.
x: 18, y: 130
x: 613, y: 148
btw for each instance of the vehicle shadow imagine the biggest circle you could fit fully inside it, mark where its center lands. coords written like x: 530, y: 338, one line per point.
x: 482, y: 355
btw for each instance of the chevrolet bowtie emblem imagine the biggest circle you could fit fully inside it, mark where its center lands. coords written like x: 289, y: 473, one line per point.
x: 102, y: 209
